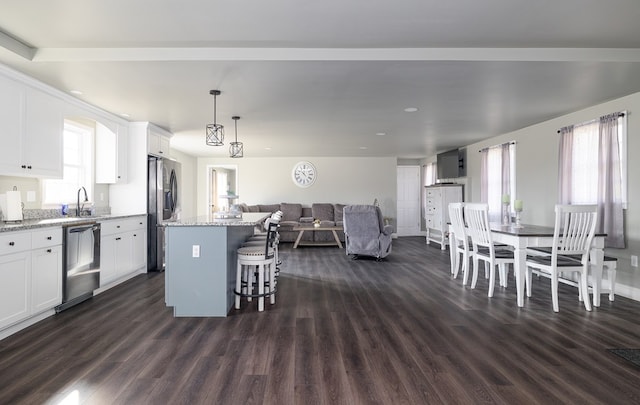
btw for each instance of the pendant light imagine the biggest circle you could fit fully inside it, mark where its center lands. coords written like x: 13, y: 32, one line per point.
x: 236, y: 148
x: 215, y: 131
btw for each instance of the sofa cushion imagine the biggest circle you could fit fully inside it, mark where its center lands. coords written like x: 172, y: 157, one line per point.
x: 253, y: 208
x: 269, y: 207
x: 291, y: 212
x: 322, y: 211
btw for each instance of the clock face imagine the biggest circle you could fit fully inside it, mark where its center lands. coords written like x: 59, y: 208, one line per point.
x: 303, y: 174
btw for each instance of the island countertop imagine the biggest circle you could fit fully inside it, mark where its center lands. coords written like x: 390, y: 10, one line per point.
x: 248, y: 219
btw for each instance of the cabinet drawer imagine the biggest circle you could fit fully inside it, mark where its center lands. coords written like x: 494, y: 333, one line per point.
x: 433, y: 193
x: 46, y: 237
x: 122, y: 225
x: 12, y: 242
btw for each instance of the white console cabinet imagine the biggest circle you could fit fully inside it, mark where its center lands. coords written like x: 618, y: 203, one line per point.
x: 437, y: 200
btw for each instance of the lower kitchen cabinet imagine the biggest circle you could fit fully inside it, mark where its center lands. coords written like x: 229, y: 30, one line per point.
x: 123, y: 245
x: 46, y: 278
x: 15, y: 276
x: 30, y: 273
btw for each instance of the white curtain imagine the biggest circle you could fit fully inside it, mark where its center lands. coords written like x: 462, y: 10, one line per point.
x: 565, y: 159
x: 582, y: 181
x: 609, y: 183
x: 495, y: 178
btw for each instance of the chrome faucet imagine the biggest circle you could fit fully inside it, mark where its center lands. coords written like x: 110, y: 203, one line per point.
x: 86, y: 198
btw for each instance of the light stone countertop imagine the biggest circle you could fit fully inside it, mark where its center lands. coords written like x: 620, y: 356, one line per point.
x: 60, y: 221
x: 248, y: 219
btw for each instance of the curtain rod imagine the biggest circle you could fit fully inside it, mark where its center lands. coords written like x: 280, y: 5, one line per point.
x: 620, y: 114
x: 495, y: 146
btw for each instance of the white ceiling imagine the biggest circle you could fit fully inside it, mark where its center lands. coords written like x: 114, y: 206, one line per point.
x: 322, y: 78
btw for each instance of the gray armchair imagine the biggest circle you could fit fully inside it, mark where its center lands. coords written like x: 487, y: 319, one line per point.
x: 365, y: 231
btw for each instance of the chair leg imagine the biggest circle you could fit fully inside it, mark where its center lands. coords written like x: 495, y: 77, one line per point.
x: 238, y: 284
x: 474, y: 278
x: 554, y: 291
x: 585, y: 290
x: 492, y: 279
x: 261, y: 287
x: 528, y: 281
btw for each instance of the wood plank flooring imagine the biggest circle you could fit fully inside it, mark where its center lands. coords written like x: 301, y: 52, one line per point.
x: 399, y: 331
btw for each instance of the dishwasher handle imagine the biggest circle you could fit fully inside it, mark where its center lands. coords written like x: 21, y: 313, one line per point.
x: 83, y: 228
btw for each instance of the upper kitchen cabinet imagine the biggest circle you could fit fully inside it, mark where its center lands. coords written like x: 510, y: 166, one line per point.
x: 31, y: 125
x: 158, y: 142
x: 111, y: 153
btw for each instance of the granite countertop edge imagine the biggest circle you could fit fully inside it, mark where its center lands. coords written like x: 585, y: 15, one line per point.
x: 61, y: 221
x: 248, y: 219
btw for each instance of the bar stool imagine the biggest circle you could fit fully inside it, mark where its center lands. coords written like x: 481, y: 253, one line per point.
x: 256, y: 264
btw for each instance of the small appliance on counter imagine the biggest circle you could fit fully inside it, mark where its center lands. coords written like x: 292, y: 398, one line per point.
x: 11, y: 206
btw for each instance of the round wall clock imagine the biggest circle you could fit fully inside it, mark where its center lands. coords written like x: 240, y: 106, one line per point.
x: 303, y: 174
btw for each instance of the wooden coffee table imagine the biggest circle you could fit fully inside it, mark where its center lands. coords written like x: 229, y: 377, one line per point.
x: 302, y: 228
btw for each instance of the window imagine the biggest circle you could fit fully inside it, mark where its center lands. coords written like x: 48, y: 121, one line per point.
x: 77, y: 167
x: 430, y: 171
x: 583, y: 169
x: 498, y: 177
x: 592, y: 169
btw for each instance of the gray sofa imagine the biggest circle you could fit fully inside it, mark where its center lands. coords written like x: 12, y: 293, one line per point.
x: 294, y: 214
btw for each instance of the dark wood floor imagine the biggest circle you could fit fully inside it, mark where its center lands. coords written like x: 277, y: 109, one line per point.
x: 400, y: 331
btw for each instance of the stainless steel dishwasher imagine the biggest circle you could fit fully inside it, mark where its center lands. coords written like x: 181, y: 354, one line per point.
x: 81, y: 263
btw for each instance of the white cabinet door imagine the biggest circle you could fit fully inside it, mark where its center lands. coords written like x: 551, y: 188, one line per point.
x: 139, y: 259
x: 11, y: 113
x: 123, y: 154
x: 42, y: 137
x: 46, y: 276
x: 124, y: 253
x: 158, y: 145
x: 15, y: 282
x: 107, y: 259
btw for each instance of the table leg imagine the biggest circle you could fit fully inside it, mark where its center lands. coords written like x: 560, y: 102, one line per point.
x: 596, y: 257
x: 335, y: 236
x: 520, y: 269
x: 295, y: 245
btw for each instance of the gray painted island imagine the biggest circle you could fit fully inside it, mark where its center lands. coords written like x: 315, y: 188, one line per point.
x: 200, y: 256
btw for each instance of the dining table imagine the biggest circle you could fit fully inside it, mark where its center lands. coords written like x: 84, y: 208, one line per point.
x: 524, y: 236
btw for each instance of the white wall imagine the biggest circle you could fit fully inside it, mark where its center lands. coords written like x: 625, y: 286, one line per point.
x: 340, y: 180
x: 537, y: 167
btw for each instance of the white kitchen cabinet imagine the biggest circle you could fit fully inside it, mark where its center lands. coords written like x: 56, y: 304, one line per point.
x: 30, y: 273
x: 46, y: 269
x: 111, y: 153
x: 158, y: 142
x: 15, y: 281
x: 437, y: 200
x: 11, y: 125
x: 122, y: 248
x: 31, y: 125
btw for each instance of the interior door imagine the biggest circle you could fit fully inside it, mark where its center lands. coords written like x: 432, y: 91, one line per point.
x: 408, y: 183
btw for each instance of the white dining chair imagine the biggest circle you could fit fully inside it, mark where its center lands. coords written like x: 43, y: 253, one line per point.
x: 574, y: 229
x: 477, y: 218
x: 459, y: 244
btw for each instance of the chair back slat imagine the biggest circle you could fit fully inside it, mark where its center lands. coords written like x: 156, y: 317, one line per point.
x: 575, y: 228
x: 477, y: 217
x: 456, y: 215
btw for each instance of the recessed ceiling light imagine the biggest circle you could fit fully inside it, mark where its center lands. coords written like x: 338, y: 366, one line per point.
x: 267, y: 148
x: 76, y: 92
x: 381, y: 133
x: 125, y: 115
x: 363, y: 147
x: 411, y: 109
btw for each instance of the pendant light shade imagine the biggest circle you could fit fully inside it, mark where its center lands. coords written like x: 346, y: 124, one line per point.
x: 215, y: 131
x: 236, y: 148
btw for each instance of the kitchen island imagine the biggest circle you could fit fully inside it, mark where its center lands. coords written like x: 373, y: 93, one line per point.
x: 200, y: 257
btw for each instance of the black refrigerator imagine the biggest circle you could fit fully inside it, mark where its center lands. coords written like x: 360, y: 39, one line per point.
x: 163, y: 205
